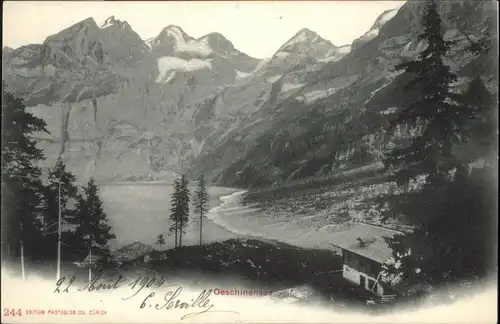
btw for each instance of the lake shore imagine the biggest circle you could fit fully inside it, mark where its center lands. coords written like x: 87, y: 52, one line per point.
x: 141, y: 211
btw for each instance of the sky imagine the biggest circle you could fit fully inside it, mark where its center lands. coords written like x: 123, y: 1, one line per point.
x: 257, y: 28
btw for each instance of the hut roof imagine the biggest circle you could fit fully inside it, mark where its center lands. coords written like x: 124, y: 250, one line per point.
x: 366, y: 240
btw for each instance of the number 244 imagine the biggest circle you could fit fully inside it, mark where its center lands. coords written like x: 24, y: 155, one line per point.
x: 12, y: 312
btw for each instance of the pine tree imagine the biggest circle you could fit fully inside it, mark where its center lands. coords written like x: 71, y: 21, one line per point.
x: 184, y: 204
x: 200, y: 202
x: 451, y: 223
x: 437, y: 117
x: 51, y: 203
x: 179, y: 208
x: 21, y: 184
x: 160, y: 240
x: 92, y: 221
x: 175, y: 210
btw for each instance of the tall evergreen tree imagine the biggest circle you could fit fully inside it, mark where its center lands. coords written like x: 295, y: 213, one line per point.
x: 92, y: 221
x: 179, y: 208
x: 175, y: 211
x: 185, y: 196
x: 21, y: 184
x: 53, y: 201
x: 200, y: 202
x: 437, y: 117
x: 450, y: 222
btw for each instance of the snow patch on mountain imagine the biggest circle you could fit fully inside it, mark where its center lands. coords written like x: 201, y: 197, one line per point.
x: 262, y: 64
x: 369, y: 35
x: 169, y: 63
x: 241, y: 75
x: 388, y: 15
x: 336, y: 55
x: 290, y: 86
x: 344, y: 49
x: 379, y: 23
x: 169, y: 76
x: 173, y: 40
x: 273, y: 78
x: 109, y: 22
x: 112, y: 21
x: 315, y: 95
x: 194, y: 47
x: 177, y: 33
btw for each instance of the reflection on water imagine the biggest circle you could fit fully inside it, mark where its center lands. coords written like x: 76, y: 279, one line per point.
x: 140, y: 211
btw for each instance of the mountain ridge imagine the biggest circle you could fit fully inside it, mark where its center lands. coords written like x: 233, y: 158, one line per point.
x: 90, y: 21
x: 159, y: 111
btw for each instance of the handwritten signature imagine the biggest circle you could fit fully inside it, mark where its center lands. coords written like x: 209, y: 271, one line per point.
x: 170, y: 302
x: 153, y: 300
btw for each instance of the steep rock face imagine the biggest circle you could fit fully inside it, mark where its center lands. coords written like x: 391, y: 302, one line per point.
x: 339, y: 110
x: 78, y: 63
x: 116, y: 108
x: 65, y: 79
x: 126, y: 49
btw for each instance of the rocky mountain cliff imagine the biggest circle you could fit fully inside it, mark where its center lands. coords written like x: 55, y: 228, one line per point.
x: 120, y: 108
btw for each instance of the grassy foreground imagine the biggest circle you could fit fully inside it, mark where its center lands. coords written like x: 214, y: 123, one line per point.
x: 263, y: 261
x: 276, y: 266
x: 265, y: 265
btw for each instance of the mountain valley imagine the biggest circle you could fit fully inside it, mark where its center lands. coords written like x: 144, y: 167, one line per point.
x: 122, y: 108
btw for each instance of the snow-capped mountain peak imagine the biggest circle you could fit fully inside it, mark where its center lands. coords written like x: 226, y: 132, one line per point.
x: 173, y: 41
x: 304, y: 35
x: 308, y: 43
x: 109, y: 22
x: 379, y: 23
x: 217, y: 42
x: 307, y: 34
x: 174, y: 32
x: 112, y: 22
x: 385, y: 17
